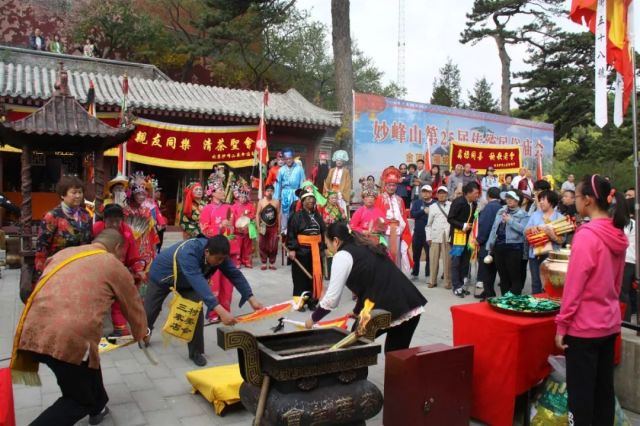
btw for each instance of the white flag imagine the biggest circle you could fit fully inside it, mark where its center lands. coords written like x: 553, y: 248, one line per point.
x: 617, y: 104
x: 601, y: 63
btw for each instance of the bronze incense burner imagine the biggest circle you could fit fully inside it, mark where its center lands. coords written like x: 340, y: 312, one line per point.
x: 295, y: 379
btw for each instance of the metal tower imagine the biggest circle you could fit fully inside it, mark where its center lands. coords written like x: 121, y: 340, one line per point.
x: 401, y: 43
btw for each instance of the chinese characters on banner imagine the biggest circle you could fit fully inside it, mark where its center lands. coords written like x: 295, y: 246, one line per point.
x: 505, y: 158
x: 387, y: 132
x: 191, y: 147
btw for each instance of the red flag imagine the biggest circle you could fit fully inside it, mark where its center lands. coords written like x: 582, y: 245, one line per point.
x: 261, y: 143
x: 427, y: 158
x: 618, y: 46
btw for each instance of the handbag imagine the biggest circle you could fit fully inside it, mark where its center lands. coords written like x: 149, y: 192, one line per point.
x: 183, y: 313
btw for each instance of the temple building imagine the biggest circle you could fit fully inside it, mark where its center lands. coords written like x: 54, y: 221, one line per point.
x: 27, y: 81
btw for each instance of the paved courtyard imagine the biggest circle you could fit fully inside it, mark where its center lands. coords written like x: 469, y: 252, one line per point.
x: 144, y: 394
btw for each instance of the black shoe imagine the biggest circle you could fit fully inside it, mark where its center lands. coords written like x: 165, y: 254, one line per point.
x: 198, y: 359
x: 480, y: 296
x: 98, y: 418
x: 466, y: 292
x: 459, y: 292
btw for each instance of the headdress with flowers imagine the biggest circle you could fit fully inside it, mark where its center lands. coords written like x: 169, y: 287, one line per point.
x: 214, y: 182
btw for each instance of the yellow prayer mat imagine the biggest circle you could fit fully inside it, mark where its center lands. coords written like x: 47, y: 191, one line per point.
x: 218, y: 385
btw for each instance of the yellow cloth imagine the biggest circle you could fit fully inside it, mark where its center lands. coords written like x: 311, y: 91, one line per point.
x: 183, y: 313
x: 218, y: 385
x: 24, y: 369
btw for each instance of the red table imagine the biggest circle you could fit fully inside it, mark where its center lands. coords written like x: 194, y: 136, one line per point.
x: 510, y: 357
x: 7, y: 414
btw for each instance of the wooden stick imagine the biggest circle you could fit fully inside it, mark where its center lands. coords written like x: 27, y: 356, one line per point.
x: 298, y: 263
x: 264, y: 391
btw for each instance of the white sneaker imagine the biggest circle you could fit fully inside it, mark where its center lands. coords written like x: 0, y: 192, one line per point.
x: 479, y: 284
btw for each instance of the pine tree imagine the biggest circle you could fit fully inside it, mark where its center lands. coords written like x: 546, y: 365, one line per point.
x: 481, y: 99
x: 446, y: 87
x: 497, y: 20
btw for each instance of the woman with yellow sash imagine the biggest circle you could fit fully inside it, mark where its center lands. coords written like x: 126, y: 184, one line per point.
x: 305, y: 245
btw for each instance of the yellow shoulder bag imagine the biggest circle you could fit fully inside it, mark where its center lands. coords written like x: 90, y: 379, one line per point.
x: 183, y: 313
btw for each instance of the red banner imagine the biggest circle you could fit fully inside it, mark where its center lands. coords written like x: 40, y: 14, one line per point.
x: 191, y: 147
x: 504, y: 158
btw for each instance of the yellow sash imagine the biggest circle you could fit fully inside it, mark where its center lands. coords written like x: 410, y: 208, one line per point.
x: 24, y: 369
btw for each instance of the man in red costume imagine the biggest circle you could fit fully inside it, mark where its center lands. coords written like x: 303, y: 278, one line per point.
x: 272, y: 176
x: 114, y: 219
x: 396, y: 233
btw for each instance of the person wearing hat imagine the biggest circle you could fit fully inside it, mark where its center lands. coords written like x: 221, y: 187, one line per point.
x: 242, y: 207
x: 487, y: 271
x: 308, y: 186
x: 216, y: 218
x: 305, y: 244
x: 290, y: 178
x: 272, y: 176
x: 115, y: 190
x: 437, y: 234
x: 139, y: 215
x: 420, y: 213
x: 506, y: 242
x: 396, y: 234
x: 339, y: 179
x: 489, y: 181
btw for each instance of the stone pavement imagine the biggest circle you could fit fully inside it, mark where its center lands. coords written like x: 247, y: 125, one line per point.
x: 143, y: 394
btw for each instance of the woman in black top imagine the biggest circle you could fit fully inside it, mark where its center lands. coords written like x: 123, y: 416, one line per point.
x: 369, y: 273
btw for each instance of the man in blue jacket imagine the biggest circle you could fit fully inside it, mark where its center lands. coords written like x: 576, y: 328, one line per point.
x: 487, y: 272
x: 197, y: 260
x: 420, y: 213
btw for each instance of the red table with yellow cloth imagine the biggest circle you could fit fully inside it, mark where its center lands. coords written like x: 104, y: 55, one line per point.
x: 510, y: 357
x: 7, y: 414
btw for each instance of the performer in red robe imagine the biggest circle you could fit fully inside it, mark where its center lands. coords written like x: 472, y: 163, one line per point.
x: 243, y: 208
x: 368, y: 219
x: 114, y: 219
x: 396, y: 233
x: 216, y: 218
x: 272, y: 176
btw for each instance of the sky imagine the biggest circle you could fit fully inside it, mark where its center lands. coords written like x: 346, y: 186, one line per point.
x: 432, y: 33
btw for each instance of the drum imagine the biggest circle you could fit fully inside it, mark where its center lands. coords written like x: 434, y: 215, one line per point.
x: 242, y: 223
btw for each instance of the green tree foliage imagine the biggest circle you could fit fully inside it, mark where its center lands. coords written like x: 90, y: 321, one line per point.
x: 120, y: 30
x: 242, y: 44
x: 446, y: 87
x: 481, y: 99
x: 502, y: 20
x: 558, y: 86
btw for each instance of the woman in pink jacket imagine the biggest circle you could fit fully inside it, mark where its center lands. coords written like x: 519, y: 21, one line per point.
x: 589, y: 318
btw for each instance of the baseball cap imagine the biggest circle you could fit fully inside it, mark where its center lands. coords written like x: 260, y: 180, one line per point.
x: 426, y: 188
x: 510, y: 194
x: 443, y: 188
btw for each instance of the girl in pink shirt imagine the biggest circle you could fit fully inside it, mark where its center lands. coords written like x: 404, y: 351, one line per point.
x: 589, y: 318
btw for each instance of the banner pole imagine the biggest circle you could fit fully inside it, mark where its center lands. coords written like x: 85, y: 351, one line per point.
x: 634, y: 121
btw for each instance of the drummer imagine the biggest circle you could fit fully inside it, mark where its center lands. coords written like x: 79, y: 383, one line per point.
x: 267, y: 219
x: 245, y: 213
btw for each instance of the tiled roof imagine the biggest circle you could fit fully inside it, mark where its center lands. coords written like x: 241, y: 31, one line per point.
x: 18, y: 80
x: 62, y: 123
